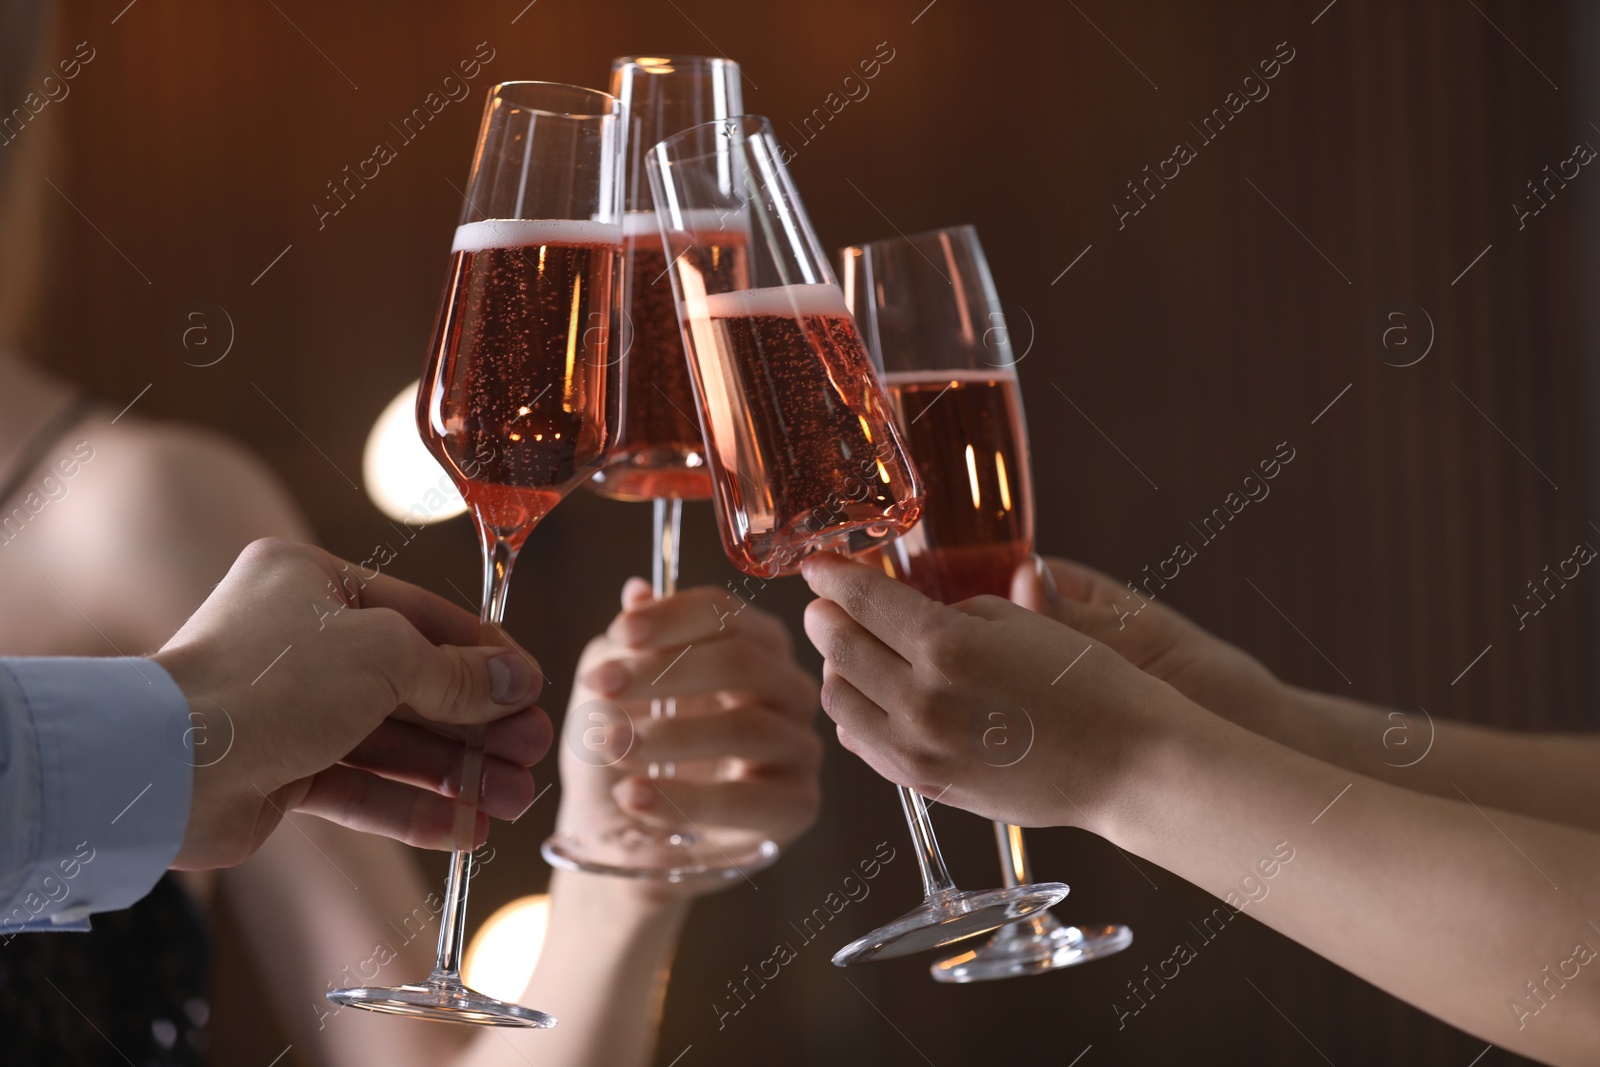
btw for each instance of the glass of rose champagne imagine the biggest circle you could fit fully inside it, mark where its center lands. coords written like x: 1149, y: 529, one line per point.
x: 660, y: 455
x: 927, y: 306
x: 800, y: 449
x: 519, y: 401
x: 803, y: 451
x: 803, y: 454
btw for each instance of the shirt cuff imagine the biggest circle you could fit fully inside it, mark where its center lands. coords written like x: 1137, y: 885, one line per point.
x: 115, y: 747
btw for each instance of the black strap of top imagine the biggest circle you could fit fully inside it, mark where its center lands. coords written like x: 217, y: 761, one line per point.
x: 40, y: 444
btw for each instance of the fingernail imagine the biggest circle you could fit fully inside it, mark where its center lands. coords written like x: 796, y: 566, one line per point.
x: 641, y: 794
x: 510, y: 678
x: 1046, y: 580
x: 813, y: 561
x: 610, y: 677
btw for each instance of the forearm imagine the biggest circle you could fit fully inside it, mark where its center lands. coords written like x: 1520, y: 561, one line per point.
x: 602, y: 973
x: 1423, y: 897
x: 1546, y: 776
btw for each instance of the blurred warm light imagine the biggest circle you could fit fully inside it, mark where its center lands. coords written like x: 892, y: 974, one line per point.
x: 402, y: 477
x: 501, y: 958
x: 1005, y: 483
x: 972, y: 478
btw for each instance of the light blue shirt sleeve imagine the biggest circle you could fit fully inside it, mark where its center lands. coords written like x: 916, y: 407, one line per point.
x: 96, y: 771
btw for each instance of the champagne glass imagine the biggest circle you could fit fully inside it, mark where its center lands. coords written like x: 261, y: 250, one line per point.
x: 660, y: 455
x: 928, y: 309
x: 800, y: 449
x: 519, y: 401
x: 803, y: 452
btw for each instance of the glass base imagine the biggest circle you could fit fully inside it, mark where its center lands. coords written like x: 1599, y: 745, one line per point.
x: 950, y: 916
x: 442, y: 998
x: 634, y: 851
x: 1032, y: 946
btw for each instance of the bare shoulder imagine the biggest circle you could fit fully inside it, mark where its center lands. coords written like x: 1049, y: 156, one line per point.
x: 158, y: 513
x: 182, y: 481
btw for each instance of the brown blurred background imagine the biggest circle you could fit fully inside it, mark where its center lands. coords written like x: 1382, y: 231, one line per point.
x: 1196, y: 338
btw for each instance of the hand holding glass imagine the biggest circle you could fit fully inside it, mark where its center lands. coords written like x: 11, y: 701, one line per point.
x: 519, y: 401
x: 928, y: 309
x: 659, y: 453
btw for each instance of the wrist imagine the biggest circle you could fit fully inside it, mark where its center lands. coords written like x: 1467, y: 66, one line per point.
x: 1368, y: 739
x: 624, y: 903
x: 201, y: 844
x: 215, y: 782
x: 1148, y: 767
x: 611, y: 946
x: 1278, y: 708
x: 609, y: 923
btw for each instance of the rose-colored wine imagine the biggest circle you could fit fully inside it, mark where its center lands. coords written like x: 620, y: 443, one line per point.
x: 519, y: 400
x: 659, y: 450
x: 803, y: 452
x: 965, y: 432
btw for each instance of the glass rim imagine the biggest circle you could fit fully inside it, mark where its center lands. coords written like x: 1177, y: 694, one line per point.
x: 757, y: 124
x: 964, y: 228
x: 678, y: 61
x: 613, y: 106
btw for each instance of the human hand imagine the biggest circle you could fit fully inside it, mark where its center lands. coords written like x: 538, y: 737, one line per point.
x: 1155, y: 638
x: 745, y: 754
x: 984, y: 704
x: 347, y: 698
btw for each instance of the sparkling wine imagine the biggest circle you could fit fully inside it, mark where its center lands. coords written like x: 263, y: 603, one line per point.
x: 659, y: 451
x: 965, y: 432
x: 522, y: 382
x: 803, y: 452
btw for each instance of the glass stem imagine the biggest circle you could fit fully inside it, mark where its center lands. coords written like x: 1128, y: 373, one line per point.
x: 935, y: 876
x: 453, y: 924
x: 498, y: 558
x: 664, y: 583
x: 664, y: 568
x: 1013, y: 855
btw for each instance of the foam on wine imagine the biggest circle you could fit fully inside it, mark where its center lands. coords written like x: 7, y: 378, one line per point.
x: 520, y: 233
x: 697, y: 221
x: 782, y: 301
